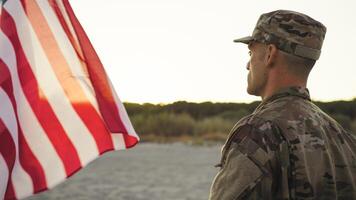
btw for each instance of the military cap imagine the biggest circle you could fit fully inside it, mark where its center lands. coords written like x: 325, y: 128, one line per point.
x: 292, y: 32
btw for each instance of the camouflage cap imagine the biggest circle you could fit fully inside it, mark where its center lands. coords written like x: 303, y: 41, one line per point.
x: 292, y: 32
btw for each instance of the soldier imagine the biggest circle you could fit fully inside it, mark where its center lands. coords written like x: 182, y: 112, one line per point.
x: 287, y: 148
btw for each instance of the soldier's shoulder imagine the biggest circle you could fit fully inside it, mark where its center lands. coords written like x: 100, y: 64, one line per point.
x: 263, y: 132
x: 287, y: 108
x: 255, y: 121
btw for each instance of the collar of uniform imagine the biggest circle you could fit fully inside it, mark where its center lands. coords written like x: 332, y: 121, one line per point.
x: 297, y: 91
x: 290, y: 91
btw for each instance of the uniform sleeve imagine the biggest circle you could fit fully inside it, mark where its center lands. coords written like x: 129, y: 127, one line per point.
x: 247, y: 163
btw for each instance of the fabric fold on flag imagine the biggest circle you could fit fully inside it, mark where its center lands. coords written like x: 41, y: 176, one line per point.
x: 58, y: 108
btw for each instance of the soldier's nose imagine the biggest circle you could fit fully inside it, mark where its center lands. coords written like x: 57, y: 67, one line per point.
x: 248, y: 65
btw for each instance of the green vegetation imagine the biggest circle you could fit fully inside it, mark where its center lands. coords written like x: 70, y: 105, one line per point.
x: 201, y: 122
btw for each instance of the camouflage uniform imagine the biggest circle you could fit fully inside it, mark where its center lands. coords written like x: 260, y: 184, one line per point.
x: 287, y: 148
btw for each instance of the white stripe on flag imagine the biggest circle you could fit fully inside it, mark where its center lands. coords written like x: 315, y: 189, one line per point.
x: 68, y: 52
x: 4, y: 172
x: 118, y: 140
x: 76, y: 130
x: 33, y: 132
x: 21, y: 180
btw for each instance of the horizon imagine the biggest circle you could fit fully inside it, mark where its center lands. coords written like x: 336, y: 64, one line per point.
x: 227, y: 102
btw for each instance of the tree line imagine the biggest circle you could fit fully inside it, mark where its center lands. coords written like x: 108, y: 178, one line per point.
x: 211, y: 121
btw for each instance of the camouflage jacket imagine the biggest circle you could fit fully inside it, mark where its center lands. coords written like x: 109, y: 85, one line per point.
x: 287, y: 149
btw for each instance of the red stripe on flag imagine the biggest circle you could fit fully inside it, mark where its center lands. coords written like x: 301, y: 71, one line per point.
x: 40, y: 107
x: 98, y: 77
x: 10, y: 192
x: 7, y: 148
x: 130, y: 141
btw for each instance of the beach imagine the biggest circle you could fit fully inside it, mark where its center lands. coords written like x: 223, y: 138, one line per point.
x: 148, y: 171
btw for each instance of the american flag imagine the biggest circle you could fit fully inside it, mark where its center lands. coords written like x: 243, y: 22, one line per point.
x: 58, y: 109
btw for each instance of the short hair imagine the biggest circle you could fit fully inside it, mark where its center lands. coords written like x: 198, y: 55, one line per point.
x: 298, y: 65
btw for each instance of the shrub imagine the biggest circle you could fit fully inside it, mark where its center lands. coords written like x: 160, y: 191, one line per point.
x: 164, y: 124
x: 234, y: 116
x: 213, y: 125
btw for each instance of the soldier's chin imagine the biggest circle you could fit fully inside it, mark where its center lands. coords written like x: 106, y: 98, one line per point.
x: 251, y: 91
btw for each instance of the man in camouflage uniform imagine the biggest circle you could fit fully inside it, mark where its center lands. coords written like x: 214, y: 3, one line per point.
x: 287, y: 148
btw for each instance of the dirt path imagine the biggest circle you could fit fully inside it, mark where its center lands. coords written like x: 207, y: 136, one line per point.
x: 146, y: 172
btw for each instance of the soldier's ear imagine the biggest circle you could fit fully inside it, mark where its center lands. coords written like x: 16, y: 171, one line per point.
x: 271, y: 55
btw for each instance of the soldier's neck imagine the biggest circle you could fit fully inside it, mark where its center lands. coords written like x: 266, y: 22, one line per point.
x: 272, y: 87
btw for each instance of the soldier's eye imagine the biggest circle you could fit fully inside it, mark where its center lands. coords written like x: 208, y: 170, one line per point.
x: 249, y: 53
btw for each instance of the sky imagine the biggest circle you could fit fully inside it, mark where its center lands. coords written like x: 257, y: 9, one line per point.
x: 162, y: 51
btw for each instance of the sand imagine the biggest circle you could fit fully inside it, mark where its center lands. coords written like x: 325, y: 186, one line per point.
x: 147, y: 172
